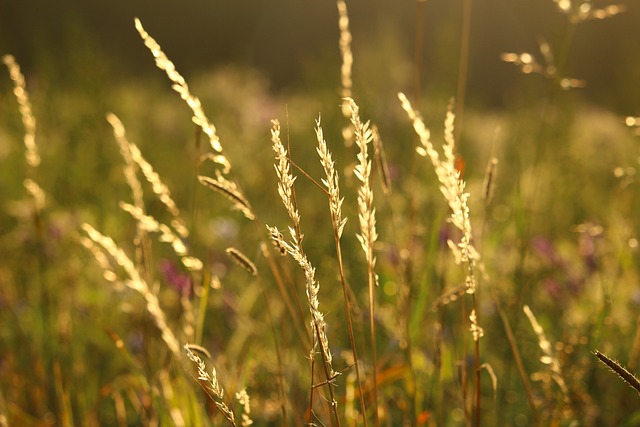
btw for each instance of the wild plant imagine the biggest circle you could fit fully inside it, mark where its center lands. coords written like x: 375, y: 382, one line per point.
x: 362, y: 300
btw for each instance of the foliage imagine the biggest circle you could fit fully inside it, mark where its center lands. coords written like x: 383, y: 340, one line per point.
x: 131, y: 294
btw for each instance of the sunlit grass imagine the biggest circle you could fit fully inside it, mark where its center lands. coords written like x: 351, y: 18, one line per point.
x: 391, y: 286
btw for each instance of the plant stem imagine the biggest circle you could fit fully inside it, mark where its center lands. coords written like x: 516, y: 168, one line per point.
x: 463, y: 70
x: 352, y: 340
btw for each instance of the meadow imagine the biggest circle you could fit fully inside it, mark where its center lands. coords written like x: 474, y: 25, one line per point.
x: 355, y: 251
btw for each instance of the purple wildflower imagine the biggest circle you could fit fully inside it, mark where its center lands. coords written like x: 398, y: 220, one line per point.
x: 175, y: 277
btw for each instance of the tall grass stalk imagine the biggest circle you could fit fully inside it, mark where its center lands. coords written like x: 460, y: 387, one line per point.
x: 211, y: 385
x: 338, y: 223
x: 32, y: 153
x: 549, y: 358
x: 424, y: 363
x: 452, y: 188
x: 294, y: 248
x: 135, y: 282
x: 524, y: 377
x: 182, y: 88
x: 130, y: 170
x: 368, y: 234
x: 44, y: 301
x: 276, y: 341
x: 463, y: 64
x: 345, y: 68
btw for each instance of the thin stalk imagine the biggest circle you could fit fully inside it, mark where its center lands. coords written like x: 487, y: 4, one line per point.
x: 635, y: 348
x: 330, y: 385
x: 368, y: 233
x: 64, y: 405
x: 312, y: 387
x: 337, y: 224
x: 489, y: 183
x: 278, y: 355
x: 477, y: 369
x: 288, y: 195
x: 417, y: 88
x: 372, y: 328
x: 406, y: 267
x: 565, y: 48
x: 463, y: 65
x: 518, y: 359
x: 464, y: 374
x: 347, y: 306
x: 296, y: 312
x: 196, y: 184
x: 405, y: 307
x: 202, y: 309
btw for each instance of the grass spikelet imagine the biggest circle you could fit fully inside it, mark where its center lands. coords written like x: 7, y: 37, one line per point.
x: 331, y: 181
x: 160, y: 190
x: 182, y: 88
x: 318, y: 324
x: 131, y: 153
x: 494, y: 378
x: 548, y: 358
x: 32, y: 154
x: 449, y: 297
x: 136, y: 283
x: 381, y: 161
x: 366, y: 212
x: 312, y: 288
x: 451, y: 186
x: 101, y: 258
x: 578, y: 12
x: 338, y: 223
x: 230, y: 191
x: 150, y: 224
x: 131, y: 167
x: 489, y: 180
x: 622, y: 372
x: 345, y: 69
x: 245, y: 401
x: 525, y: 61
x: 368, y: 234
x: 285, y: 178
x: 476, y: 330
x: 276, y: 239
x: 528, y: 64
x: 212, y: 386
x: 347, y: 57
x: 38, y: 194
x: 242, y: 260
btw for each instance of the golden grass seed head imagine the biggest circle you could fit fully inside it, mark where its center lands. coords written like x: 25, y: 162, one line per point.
x: 32, y: 154
x: 242, y: 260
x: 230, y: 191
x: 490, y: 180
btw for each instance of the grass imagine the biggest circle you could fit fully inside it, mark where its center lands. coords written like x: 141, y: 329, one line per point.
x: 284, y: 268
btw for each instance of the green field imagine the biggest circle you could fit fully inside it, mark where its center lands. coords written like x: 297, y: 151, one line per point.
x: 366, y: 246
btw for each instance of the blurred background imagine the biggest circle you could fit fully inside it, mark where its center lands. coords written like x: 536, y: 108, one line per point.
x: 294, y: 42
x: 560, y: 234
